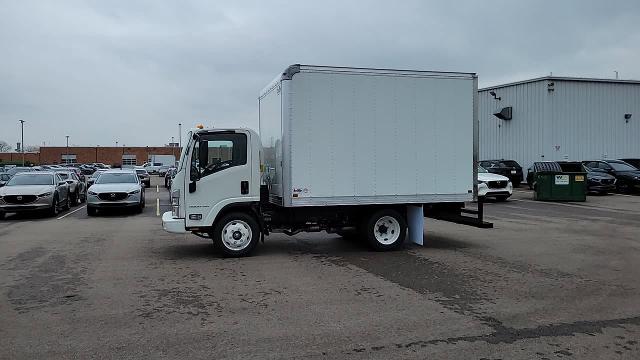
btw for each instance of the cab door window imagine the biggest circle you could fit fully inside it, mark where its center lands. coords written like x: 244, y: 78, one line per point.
x: 219, y: 152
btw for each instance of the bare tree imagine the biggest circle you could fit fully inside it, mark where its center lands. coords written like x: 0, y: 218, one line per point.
x: 32, y: 148
x: 4, y: 146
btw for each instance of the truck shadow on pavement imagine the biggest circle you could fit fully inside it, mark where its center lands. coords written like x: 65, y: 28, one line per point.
x: 312, y: 244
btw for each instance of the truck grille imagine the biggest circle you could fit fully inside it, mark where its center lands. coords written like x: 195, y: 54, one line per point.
x: 19, y: 199
x: 606, y: 181
x: 497, y: 184
x: 113, y: 196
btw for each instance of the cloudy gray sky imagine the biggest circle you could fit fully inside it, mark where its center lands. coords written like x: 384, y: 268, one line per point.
x: 130, y: 71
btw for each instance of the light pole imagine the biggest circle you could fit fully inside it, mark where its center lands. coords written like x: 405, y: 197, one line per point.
x: 173, y: 148
x: 22, y: 140
x: 180, y: 134
x: 116, y: 143
x: 66, y: 159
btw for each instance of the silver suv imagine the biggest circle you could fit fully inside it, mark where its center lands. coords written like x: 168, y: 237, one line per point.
x: 115, y: 189
x: 32, y: 191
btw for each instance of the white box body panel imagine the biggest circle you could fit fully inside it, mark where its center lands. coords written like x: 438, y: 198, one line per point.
x: 360, y: 136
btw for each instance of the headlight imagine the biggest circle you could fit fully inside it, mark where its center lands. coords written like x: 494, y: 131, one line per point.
x: 45, y: 194
x: 134, y: 192
x: 92, y: 193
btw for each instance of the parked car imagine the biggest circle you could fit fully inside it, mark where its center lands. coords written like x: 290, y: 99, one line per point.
x: 493, y: 185
x: 168, y: 177
x: 597, y: 182
x: 508, y: 168
x: 115, y: 189
x: 627, y: 176
x: 19, y: 169
x: 77, y: 187
x: 144, y: 176
x: 101, y: 165
x: 152, y: 168
x: 162, y: 171
x: 633, y: 162
x: 33, y: 191
x: 94, y: 176
x: 87, y: 169
x: 4, y: 177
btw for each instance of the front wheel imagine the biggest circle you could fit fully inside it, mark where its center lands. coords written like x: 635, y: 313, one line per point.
x: 386, y: 230
x: 91, y: 211
x: 236, y: 234
x: 53, y: 211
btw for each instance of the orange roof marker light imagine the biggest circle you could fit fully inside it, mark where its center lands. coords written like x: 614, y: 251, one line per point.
x: 200, y: 126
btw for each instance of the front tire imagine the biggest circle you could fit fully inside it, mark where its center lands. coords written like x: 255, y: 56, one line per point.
x: 236, y: 234
x: 386, y: 230
x: 53, y: 211
x: 91, y: 211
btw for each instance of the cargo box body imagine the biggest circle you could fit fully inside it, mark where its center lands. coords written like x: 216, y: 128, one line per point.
x: 350, y: 136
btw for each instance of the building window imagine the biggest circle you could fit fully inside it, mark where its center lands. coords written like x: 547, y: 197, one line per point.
x: 129, y: 160
x: 68, y: 159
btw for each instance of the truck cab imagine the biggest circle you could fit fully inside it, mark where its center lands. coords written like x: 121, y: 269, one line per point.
x: 218, y: 174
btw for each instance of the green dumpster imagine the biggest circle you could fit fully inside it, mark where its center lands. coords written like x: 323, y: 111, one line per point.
x: 553, y: 184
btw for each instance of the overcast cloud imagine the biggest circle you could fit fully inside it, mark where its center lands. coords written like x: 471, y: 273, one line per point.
x: 130, y: 71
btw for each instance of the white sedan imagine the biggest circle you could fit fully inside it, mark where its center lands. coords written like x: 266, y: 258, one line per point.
x: 493, y: 185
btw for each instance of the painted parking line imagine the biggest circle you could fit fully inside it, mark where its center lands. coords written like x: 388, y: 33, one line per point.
x: 157, y: 188
x: 69, y: 213
x: 584, y: 207
x: 158, y: 207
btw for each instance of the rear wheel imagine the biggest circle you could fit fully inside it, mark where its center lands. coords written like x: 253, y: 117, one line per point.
x: 386, y: 230
x: 74, y: 199
x: 236, y: 234
x: 67, y: 204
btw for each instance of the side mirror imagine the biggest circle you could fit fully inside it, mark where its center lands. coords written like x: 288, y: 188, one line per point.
x: 62, y: 183
x: 192, y: 187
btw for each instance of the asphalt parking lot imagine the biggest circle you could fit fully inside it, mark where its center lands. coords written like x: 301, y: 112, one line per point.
x: 549, y: 281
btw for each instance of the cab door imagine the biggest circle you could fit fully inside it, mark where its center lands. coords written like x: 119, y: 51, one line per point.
x: 220, y: 174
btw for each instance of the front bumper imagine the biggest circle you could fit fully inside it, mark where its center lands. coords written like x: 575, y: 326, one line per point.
x: 484, y: 190
x: 173, y: 225
x: 95, y: 202
x: 601, y: 188
x: 39, y: 204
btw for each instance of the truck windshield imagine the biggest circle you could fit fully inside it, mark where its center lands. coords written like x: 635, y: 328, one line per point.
x: 31, y: 179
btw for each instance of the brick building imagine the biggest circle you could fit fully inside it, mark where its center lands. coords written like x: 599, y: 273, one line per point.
x: 111, y: 155
x: 16, y: 157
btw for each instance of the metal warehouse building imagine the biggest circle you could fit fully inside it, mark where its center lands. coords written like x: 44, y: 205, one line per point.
x: 560, y: 118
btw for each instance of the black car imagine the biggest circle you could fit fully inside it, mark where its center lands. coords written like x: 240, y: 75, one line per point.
x: 627, y: 176
x: 633, y: 162
x: 597, y: 182
x: 508, y: 168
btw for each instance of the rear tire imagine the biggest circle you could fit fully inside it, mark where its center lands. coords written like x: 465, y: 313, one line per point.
x: 386, y: 230
x: 2, y: 215
x: 67, y: 204
x: 236, y: 234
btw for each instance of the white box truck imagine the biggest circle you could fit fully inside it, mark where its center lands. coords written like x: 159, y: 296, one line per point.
x: 339, y: 150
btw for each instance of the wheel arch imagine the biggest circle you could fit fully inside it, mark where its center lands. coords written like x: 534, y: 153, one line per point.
x: 250, y: 207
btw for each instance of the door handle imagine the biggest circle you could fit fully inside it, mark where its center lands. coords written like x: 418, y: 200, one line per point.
x: 244, y: 187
